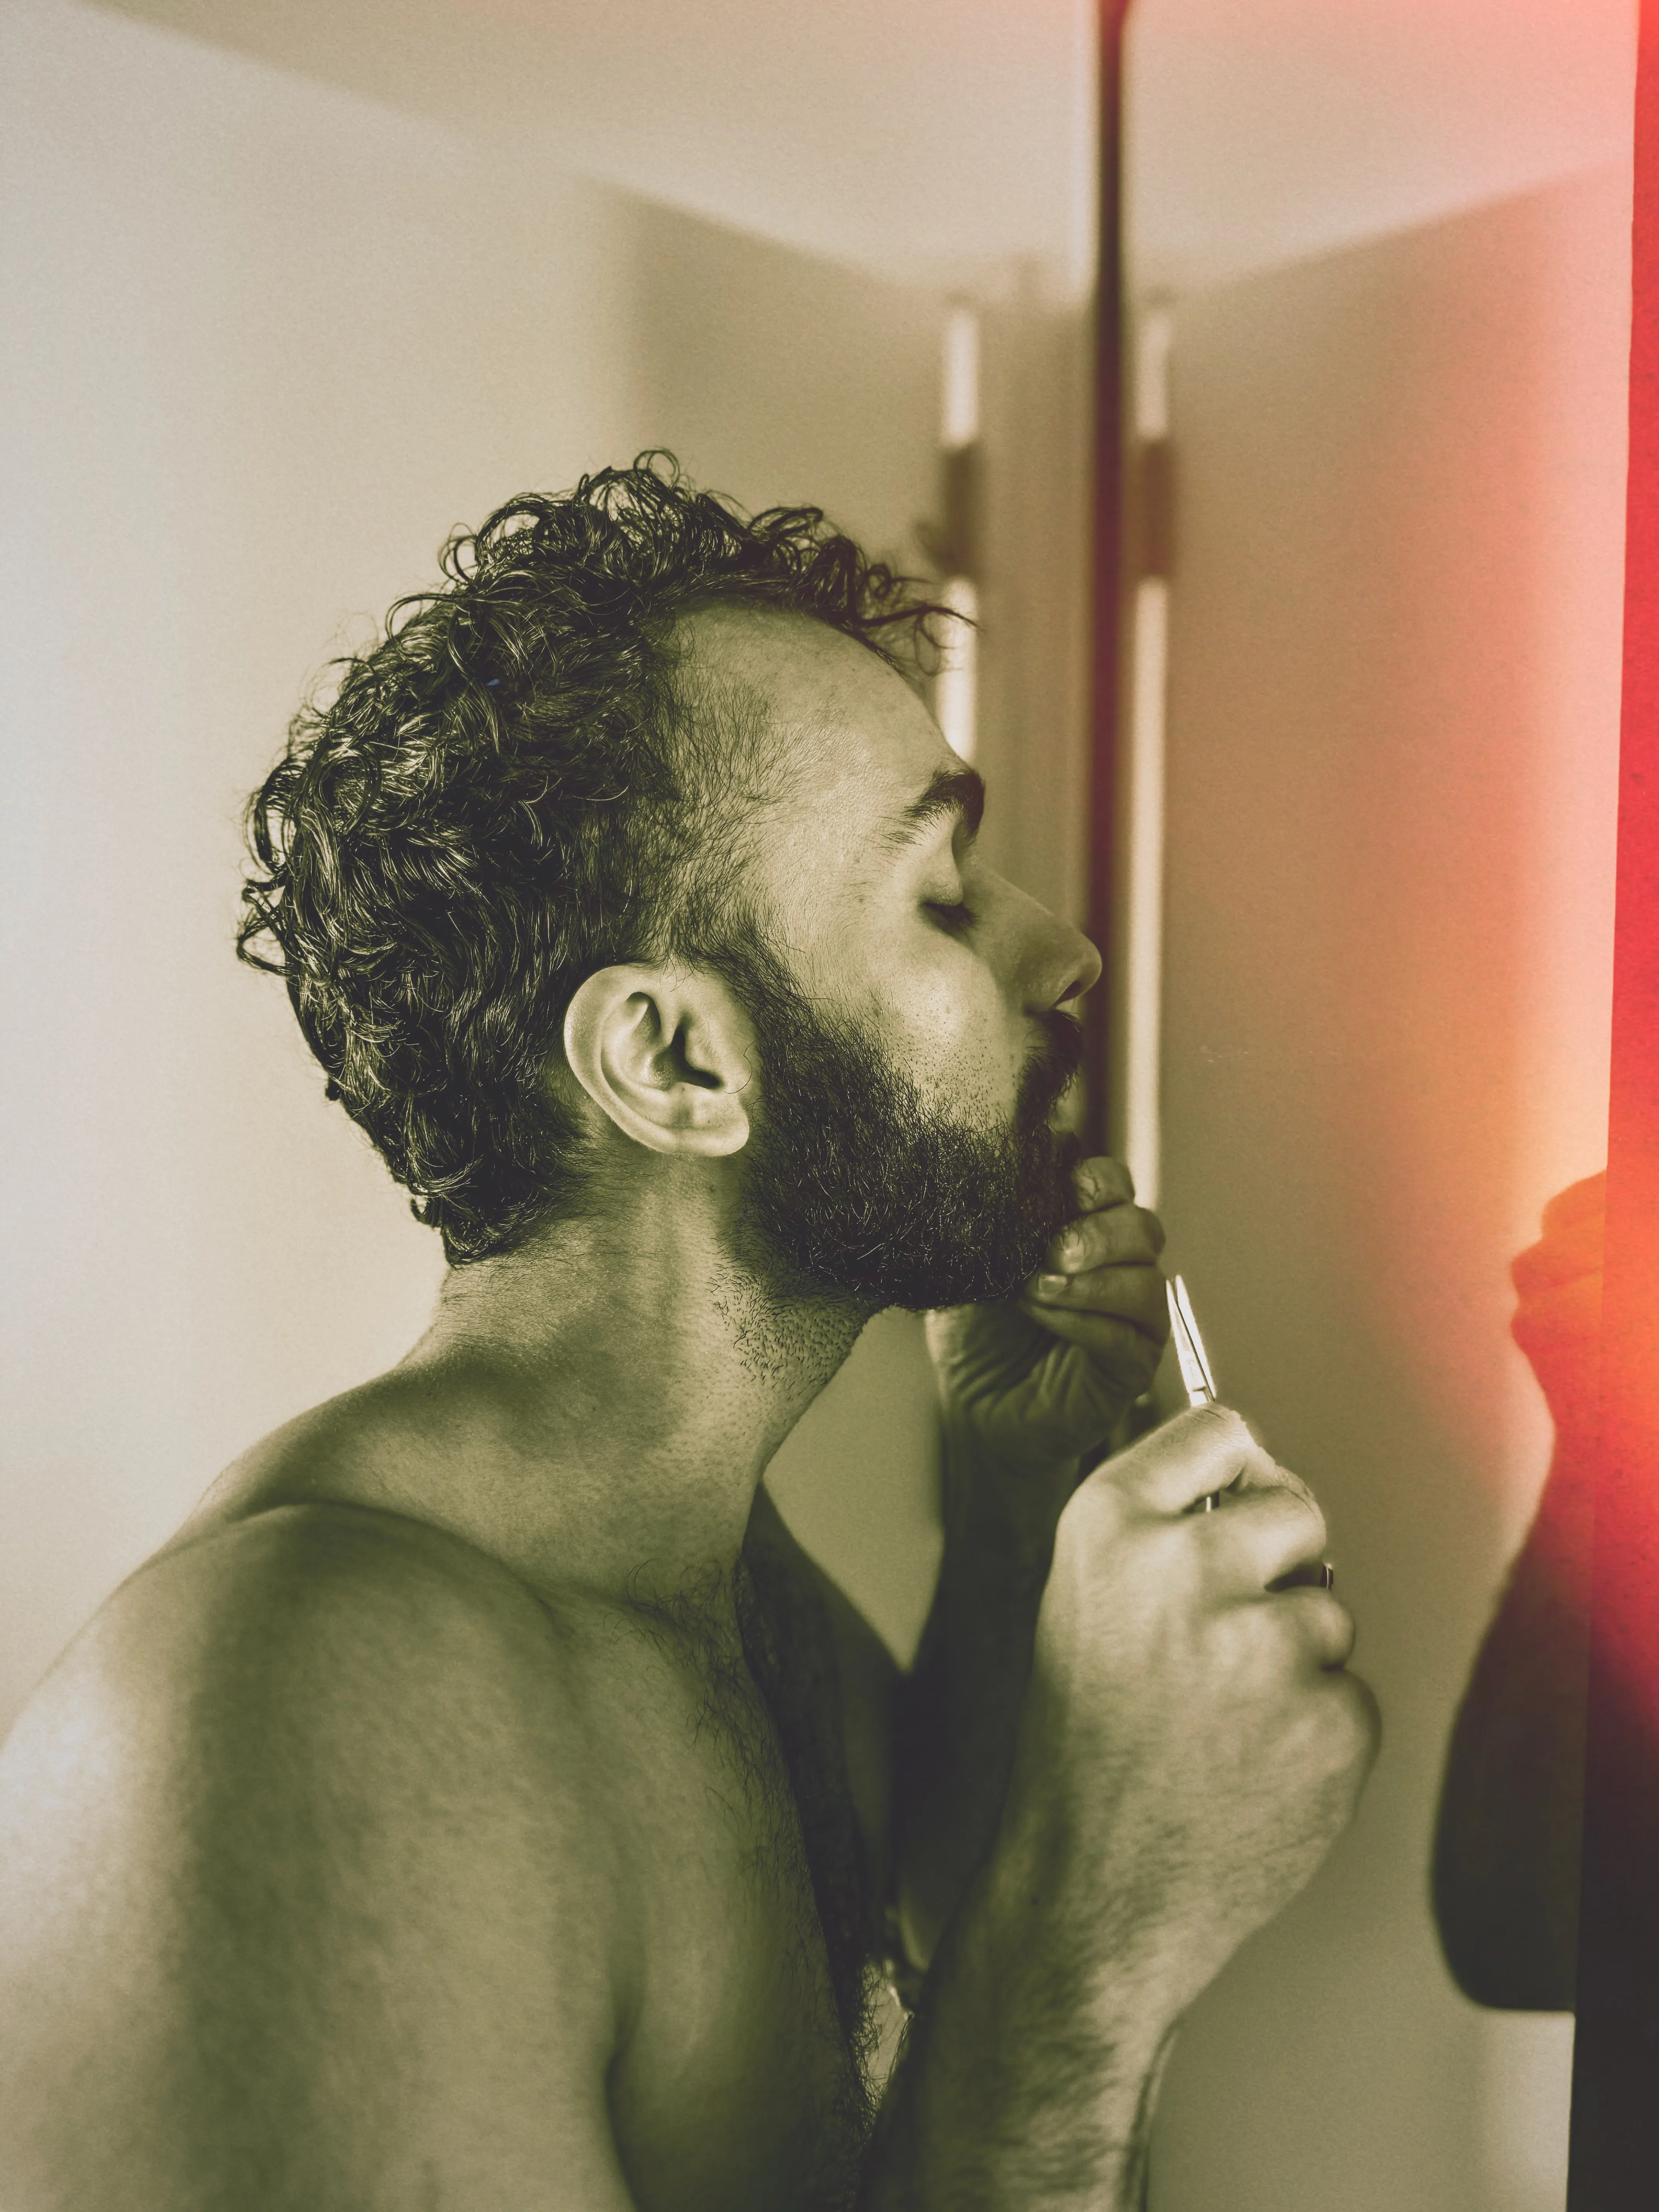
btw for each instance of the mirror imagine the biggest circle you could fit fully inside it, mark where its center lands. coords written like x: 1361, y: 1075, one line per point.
x: 1379, y: 278
x: 307, y: 286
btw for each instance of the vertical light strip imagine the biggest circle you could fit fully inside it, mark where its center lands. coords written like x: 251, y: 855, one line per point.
x: 956, y: 687
x: 1143, y: 906
x: 1154, y: 337
x: 956, y: 695
x: 1143, y: 922
x: 959, y: 402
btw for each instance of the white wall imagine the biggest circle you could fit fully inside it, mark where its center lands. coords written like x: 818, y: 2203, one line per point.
x: 265, y: 343
x: 1393, y: 756
x: 260, y: 355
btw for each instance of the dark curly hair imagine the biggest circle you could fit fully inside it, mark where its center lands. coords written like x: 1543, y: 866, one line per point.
x: 514, y: 787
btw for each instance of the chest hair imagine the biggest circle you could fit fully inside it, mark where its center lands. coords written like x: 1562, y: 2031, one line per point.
x: 771, y: 1710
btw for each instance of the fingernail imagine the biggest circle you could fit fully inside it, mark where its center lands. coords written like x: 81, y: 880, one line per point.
x: 1050, y: 1286
x: 1070, y: 1243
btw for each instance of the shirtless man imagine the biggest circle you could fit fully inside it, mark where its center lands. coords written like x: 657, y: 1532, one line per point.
x: 482, y: 1803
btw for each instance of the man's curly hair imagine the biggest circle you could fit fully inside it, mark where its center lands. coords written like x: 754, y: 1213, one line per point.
x: 514, y: 787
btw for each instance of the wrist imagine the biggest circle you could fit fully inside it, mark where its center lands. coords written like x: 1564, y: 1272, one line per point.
x: 1032, y: 2066
x: 1077, y: 1878
x: 1020, y: 1967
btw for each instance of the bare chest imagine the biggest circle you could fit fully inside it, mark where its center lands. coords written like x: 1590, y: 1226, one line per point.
x: 746, y: 2077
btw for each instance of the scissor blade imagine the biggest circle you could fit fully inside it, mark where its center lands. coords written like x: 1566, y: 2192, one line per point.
x: 1195, y: 1375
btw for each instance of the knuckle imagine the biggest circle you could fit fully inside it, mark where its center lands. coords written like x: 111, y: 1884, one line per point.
x: 1289, y: 1491
x: 1353, y: 1722
x: 1334, y: 1644
x: 1218, y: 1424
x: 1288, y: 1505
x: 1075, y: 1245
x: 1292, y: 1640
x: 1110, y: 1179
x: 1219, y: 1441
x: 1211, y: 1445
x: 1342, y: 1628
x: 1279, y: 1636
x: 1303, y: 1506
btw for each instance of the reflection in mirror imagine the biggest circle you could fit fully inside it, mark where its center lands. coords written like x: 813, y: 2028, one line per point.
x: 1379, y: 282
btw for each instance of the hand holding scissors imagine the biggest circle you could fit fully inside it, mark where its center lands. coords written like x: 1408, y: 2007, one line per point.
x: 1199, y: 1382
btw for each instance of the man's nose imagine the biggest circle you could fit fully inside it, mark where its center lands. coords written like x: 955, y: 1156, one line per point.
x: 1057, y: 962
x: 1080, y: 970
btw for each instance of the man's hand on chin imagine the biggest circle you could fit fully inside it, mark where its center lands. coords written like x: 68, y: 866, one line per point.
x: 1037, y: 1381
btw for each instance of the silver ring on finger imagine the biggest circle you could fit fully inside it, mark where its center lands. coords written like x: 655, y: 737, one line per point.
x: 1212, y: 1500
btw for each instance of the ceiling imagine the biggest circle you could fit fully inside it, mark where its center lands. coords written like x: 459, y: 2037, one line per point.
x: 1265, y: 131
x: 932, y: 136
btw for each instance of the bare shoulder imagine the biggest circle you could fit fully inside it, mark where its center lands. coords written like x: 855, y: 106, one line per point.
x: 309, y: 1821
x: 314, y: 1630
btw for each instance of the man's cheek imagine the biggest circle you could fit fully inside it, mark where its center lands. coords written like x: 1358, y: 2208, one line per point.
x: 963, y: 1063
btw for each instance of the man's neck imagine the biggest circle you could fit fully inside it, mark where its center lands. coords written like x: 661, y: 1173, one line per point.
x: 604, y: 1402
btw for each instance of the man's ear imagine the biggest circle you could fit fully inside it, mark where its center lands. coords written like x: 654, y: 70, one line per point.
x: 667, y: 1053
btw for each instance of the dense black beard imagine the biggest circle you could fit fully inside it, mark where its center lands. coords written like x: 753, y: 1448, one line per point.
x: 855, y: 1186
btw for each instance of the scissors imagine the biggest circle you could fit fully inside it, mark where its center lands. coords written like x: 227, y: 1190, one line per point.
x: 1193, y: 1361
x: 1196, y: 1378
x: 1199, y: 1382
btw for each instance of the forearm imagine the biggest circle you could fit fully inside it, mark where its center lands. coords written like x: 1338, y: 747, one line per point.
x: 1188, y: 1747
x: 1507, y: 1845
x: 1028, y: 2076
x: 958, y: 1709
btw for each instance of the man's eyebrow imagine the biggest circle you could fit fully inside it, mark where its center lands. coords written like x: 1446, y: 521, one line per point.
x: 959, y: 790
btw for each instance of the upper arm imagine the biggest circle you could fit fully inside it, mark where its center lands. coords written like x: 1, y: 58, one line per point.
x: 307, y: 1900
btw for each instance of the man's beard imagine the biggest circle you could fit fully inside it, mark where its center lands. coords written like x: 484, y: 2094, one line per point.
x: 855, y: 1186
